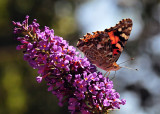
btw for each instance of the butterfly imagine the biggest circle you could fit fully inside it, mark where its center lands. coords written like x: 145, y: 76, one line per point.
x: 103, y: 48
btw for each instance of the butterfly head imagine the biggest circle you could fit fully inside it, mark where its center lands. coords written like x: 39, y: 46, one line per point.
x: 113, y: 67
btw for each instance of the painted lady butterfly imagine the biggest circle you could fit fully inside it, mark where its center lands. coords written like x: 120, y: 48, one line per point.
x: 103, y: 48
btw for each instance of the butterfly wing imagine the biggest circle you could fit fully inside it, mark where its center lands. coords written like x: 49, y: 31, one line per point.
x: 119, y: 35
x: 103, y: 48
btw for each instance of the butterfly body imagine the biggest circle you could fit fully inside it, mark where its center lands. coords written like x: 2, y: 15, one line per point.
x: 103, y: 48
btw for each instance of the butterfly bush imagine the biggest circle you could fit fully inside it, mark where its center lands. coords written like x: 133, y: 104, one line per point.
x: 69, y: 76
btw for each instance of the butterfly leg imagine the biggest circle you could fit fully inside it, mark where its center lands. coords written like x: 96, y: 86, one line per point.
x: 107, y: 73
x: 114, y: 75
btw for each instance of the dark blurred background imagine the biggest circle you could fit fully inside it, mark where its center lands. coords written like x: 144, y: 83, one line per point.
x: 71, y: 19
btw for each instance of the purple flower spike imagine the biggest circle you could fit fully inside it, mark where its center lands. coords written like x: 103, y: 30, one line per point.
x: 70, y: 77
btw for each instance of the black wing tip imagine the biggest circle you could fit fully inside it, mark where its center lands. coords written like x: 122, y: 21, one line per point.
x: 126, y: 21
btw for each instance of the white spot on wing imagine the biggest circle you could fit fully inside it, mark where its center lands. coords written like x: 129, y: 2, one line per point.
x: 99, y: 46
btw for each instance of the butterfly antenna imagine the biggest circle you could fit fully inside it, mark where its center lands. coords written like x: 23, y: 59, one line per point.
x: 128, y: 68
x: 126, y: 61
